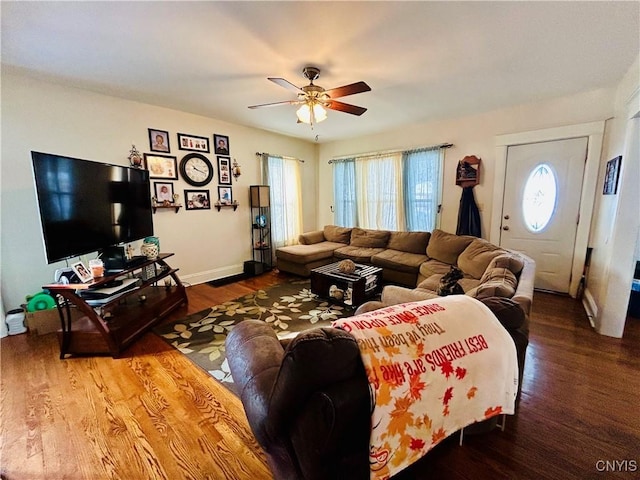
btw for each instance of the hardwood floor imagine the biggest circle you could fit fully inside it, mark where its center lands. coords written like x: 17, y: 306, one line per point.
x: 154, y: 415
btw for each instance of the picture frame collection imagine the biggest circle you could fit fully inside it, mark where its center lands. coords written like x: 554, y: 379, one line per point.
x: 163, y: 166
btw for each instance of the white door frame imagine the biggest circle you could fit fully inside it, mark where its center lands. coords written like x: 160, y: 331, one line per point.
x: 595, y: 132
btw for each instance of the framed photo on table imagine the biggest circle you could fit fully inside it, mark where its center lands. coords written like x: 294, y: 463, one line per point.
x: 161, y: 166
x: 82, y: 272
x: 224, y: 170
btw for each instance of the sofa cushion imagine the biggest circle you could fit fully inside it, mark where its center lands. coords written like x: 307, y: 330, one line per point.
x: 361, y: 237
x: 304, y: 254
x: 447, y: 247
x: 411, y: 242
x: 333, y: 233
x: 475, y: 259
x: 510, y: 261
x: 398, y: 260
x: 498, y: 282
x: 434, y: 267
x: 310, y: 238
x: 357, y: 254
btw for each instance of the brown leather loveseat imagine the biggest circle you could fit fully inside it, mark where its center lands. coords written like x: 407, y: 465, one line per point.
x: 307, y: 399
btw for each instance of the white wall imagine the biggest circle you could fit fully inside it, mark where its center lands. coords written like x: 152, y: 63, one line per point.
x: 471, y: 135
x: 46, y: 117
x: 615, y: 229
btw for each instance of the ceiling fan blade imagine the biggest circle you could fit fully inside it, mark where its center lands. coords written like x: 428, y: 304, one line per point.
x: 345, y: 107
x: 345, y: 90
x: 285, y: 83
x: 275, y: 104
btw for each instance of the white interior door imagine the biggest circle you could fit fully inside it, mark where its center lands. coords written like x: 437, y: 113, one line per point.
x: 541, y: 206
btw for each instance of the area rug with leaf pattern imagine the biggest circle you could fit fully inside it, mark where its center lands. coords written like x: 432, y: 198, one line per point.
x: 289, y: 308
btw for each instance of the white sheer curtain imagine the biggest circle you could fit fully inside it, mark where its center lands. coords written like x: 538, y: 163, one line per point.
x: 283, y: 176
x: 379, y: 192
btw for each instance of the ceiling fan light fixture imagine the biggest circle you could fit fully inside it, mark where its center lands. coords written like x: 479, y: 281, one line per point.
x: 304, y: 113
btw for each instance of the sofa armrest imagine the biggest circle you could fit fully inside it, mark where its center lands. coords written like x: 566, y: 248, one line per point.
x: 369, y: 306
x: 310, y: 238
x: 526, y: 280
x: 393, y: 295
x: 254, y: 355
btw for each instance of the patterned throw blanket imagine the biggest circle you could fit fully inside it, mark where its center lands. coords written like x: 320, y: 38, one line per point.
x: 434, y: 367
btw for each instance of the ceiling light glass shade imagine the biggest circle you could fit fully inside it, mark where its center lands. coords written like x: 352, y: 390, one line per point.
x: 304, y: 113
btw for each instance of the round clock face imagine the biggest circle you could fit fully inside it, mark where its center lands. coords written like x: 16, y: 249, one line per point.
x: 196, y: 169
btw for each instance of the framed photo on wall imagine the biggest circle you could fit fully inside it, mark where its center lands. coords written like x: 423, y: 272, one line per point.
x: 163, y: 191
x: 159, y: 140
x: 224, y: 170
x: 193, y: 143
x: 221, y: 144
x: 225, y: 196
x: 611, y: 176
x: 197, y: 200
x: 161, y: 166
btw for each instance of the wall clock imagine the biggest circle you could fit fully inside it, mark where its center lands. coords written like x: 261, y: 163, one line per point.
x: 196, y: 169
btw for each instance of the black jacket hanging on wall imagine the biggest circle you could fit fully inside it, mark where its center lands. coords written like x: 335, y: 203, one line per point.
x: 468, y: 215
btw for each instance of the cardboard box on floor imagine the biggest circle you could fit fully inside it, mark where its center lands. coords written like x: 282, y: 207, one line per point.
x: 42, y: 322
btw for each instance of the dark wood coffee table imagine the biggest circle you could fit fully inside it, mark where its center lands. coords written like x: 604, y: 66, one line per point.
x: 358, y: 287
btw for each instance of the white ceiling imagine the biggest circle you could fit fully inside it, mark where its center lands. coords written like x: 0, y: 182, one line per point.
x: 423, y: 60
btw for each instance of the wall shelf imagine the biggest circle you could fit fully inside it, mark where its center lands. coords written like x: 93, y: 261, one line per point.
x: 176, y: 207
x: 233, y: 205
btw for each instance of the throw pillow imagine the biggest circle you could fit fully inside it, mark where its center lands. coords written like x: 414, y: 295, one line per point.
x: 411, y: 242
x: 333, y: 233
x: 447, y: 247
x: 361, y: 237
x: 475, y: 259
x: 510, y: 261
x: 496, y: 282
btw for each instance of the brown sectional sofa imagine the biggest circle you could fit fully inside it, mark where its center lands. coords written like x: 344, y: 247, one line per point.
x: 417, y: 260
x: 399, y: 254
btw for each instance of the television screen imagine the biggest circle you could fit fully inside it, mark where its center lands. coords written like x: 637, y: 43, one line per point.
x: 86, y: 206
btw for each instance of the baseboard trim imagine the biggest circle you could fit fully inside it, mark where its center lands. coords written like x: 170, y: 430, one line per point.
x: 212, y: 275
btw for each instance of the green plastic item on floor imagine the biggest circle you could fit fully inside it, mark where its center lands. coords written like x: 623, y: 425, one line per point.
x: 40, y: 301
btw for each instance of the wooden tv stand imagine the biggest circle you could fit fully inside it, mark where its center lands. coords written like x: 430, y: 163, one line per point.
x: 113, y: 325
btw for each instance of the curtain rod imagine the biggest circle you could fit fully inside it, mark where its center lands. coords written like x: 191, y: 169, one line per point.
x: 387, y: 152
x: 259, y: 154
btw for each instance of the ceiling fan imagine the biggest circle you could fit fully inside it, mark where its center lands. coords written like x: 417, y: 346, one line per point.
x: 313, y: 99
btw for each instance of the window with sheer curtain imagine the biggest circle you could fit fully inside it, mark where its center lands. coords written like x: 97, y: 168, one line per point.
x: 396, y: 191
x: 284, y: 179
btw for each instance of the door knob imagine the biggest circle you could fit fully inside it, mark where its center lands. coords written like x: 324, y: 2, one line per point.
x: 506, y: 227
x: 506, y: 217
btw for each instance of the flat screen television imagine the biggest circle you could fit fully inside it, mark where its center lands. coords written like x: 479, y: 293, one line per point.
x: 87, y: 206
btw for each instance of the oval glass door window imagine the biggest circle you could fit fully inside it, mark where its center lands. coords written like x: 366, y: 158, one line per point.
x: 539, y: 199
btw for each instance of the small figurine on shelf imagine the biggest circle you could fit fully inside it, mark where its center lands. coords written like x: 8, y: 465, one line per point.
x: 130, y: 252
x: 134, y: 157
